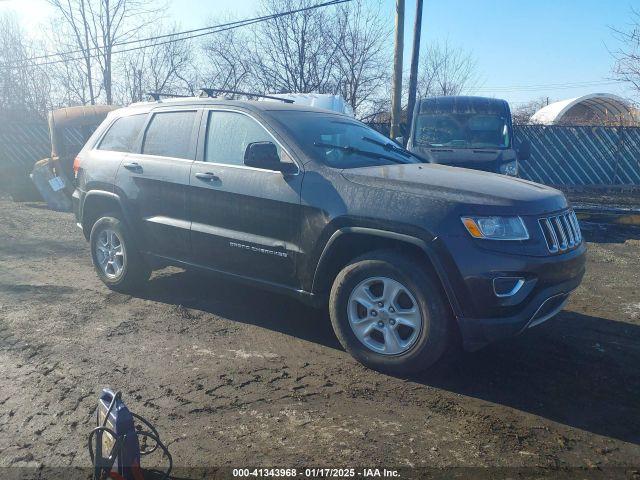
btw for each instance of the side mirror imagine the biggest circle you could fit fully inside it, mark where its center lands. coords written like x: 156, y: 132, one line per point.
x: 265, y: 155
x: 524, y: 150
x: 399, y: 141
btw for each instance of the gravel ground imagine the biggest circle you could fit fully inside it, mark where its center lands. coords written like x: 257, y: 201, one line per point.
x: 624, y: 199
x: 233, y: 376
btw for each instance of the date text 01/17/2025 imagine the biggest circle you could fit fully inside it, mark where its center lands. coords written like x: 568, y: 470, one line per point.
x: 316, y: 472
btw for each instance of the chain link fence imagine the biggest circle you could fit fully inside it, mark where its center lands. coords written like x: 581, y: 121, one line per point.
x: 22, y: 144
x: 581, y: 156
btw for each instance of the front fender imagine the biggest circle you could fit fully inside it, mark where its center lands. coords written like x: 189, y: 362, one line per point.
x: 428, y: 247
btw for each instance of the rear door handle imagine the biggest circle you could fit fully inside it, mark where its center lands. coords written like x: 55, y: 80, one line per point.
x: 133, y: 166
x: 207, y: 177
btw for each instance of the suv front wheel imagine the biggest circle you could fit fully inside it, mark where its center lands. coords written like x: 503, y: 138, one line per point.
x: 115, y: 258
x: 389, y: 314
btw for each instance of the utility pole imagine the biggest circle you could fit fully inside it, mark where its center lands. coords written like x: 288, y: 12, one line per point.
x: 396, y: 93
x: 415, y: 58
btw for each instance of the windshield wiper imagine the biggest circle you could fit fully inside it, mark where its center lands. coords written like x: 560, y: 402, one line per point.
x: 390, y: 146
x: 350, y: 150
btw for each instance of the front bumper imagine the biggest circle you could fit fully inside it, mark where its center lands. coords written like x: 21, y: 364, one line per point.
x: 485, y: 317
x: 479, y: 332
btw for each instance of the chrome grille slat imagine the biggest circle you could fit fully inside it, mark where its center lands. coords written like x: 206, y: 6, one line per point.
x: 569, y: 230
x: 546, y: 226
x: 561, y: 232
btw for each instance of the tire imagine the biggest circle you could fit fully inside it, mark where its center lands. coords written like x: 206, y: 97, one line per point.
x: 128, y: 270
x: 406, y: 350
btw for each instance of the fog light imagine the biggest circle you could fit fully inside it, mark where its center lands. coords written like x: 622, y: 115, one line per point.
x: 507, y: 286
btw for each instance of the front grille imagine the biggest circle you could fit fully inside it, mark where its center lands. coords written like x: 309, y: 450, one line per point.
x: 561, y: 232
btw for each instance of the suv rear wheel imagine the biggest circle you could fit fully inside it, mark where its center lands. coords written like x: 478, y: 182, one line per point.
x: 118, y: 264
x: 389, y: 314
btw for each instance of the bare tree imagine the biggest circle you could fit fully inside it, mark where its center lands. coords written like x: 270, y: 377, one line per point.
x: 360, y: 72
x: 294, y: 53
x: 627, y: 58
x: 157, y: 68
x: 227, y: 61
x: 72, y: 80
x: 446, y: 70
x: 522, y: 113
x: 96, y: 27
x: 75, y: 17
x: 24, y: 87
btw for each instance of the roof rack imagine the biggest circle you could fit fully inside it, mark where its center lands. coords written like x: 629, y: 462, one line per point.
x: 211, y: 92
x: 157, y: 96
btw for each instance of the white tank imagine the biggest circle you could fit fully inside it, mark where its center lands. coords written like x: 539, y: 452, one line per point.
x: 335, y: 103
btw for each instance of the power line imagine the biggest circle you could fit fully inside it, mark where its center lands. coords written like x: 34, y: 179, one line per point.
x: 133, y: 49
x: 196, y: 30
x: 184, y: 35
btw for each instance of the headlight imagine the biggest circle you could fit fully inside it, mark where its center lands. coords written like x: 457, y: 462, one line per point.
x: 496, y: 228
x: 509, y: 168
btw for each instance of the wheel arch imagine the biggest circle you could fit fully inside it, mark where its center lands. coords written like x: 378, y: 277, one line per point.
x: 349, y: 243
x: 97, y: 203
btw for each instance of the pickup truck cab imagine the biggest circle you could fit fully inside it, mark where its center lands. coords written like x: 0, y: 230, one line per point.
x: 407, y: 256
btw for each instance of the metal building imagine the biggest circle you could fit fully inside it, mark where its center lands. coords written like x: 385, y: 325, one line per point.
x: 592, y: 109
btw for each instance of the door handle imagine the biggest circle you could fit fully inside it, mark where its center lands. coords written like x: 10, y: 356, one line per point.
x: 134, y: 167
x: 207, y: 177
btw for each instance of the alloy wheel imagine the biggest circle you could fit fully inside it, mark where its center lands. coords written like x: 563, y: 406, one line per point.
x: 384, y: 315
x: 110, y: 253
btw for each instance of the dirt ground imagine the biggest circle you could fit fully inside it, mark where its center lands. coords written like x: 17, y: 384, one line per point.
x: 233, y: 376
x: 621, y: 198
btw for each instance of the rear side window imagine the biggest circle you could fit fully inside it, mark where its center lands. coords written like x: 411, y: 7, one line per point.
x: 229, y: 134
x: 170, y: 135
x: 123, y: 134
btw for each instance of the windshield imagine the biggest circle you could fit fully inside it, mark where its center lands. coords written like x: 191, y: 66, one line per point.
x: 339, y: 142
x: 462, y: 130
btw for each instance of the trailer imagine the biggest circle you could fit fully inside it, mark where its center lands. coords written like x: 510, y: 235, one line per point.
x: 69, y: 129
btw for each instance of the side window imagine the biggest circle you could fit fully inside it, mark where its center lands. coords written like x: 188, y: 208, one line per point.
x: 122, y: 135
x: 229, y: 133
x: 169, y: 135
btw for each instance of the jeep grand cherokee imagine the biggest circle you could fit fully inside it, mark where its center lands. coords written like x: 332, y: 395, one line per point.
x: 315, y: 204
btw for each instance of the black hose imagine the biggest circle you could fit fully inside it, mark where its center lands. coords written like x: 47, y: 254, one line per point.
x: 92, y: 434
x: 153, y: 435
x: 162, y: 447
x: 153, y: 431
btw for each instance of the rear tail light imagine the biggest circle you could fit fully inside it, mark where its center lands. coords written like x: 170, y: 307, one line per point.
x: 76, y: 167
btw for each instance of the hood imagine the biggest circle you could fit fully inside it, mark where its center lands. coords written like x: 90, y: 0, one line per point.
x: 466, y: 157
x: 487, y: 193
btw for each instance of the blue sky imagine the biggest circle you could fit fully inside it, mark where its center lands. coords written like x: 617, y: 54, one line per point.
x: 521, y: 47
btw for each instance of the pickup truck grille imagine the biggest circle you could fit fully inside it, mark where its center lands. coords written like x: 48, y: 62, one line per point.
x: 561, y: 232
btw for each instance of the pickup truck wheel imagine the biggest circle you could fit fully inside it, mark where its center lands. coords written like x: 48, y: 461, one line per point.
x: 118, y: 264
x: 389, y: 314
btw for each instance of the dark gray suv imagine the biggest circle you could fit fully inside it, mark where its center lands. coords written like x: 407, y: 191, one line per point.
x: 408, y: 256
